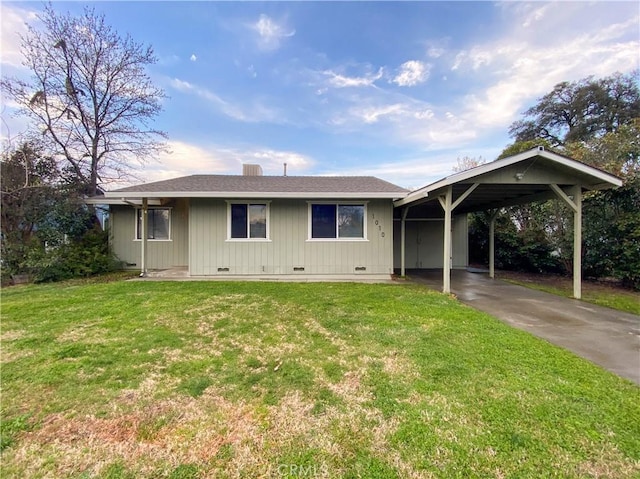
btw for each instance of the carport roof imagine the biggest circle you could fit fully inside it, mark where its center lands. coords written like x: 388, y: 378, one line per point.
x: 518, y: 179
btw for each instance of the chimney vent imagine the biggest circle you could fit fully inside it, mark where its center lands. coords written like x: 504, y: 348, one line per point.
x: 251, y: 170
x: 285, y: 169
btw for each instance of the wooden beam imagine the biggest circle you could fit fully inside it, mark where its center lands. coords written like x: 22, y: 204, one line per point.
x: 564, y: 197
x: 464, y: 195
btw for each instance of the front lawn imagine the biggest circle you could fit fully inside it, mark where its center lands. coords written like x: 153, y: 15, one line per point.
x: 607, y: 295
x: 212, y: 379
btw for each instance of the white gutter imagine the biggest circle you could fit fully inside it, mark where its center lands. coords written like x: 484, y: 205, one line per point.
x: 249, y: 194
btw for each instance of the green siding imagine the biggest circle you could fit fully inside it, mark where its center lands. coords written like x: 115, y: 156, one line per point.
x: 161, y: 254
x: 424, y: 240
x: 288, y: 247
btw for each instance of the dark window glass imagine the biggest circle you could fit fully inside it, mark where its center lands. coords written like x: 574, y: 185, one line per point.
x: 351, y: 221
x: 157, y: 224
x: 323, y: 221
x: 238, y: 221
x: 258, y: 221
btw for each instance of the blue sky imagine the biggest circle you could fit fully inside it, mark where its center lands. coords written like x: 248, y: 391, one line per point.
x: 397, y: 90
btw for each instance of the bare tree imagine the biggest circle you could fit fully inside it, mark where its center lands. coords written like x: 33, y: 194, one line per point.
x: 466, y: 163
x: 89, y: 96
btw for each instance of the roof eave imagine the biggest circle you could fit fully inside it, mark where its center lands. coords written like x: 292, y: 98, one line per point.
x: 253, y: 194
x: 606, y: 180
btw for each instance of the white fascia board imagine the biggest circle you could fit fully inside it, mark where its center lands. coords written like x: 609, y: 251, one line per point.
x: 603, y: 176
x: 104, y: 201
x: 121, y: 201
x: 249, y: 194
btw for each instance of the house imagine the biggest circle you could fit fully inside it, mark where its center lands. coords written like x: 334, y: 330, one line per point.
x: 263, y: 226
x: 252, y: 225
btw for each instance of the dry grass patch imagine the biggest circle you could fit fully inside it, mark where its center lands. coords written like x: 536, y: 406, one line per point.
x: 164, y: 380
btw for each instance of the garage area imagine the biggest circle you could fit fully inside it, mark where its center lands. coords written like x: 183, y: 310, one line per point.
x: 431, y: 221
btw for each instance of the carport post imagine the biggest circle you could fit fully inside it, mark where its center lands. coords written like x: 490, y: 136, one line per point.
x: 143, y: 237
x: 446, y: 263
x: 576, y: 206
x: 403, y: 238
x: 577, y: 242
x: 492, y: 244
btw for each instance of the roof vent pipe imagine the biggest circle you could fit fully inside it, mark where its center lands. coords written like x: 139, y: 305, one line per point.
x: 285, y: 169
x: 541, y: 148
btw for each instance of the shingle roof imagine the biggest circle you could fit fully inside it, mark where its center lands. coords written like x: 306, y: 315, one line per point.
x: 268, y: 186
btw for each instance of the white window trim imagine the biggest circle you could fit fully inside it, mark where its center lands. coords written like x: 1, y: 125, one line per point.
x: 135, y: 224
x: 336, y: 203
x: 267, y: 203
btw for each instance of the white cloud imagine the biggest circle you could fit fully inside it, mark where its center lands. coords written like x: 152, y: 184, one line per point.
x: 270, y: 33
x: 373, y: 114
x: 254, y: 112
x: 13, y: 23
x: 411, y: 73
x: 185, y: 159
x: 342, y: 81
x: 410, y: 173
x: 524, y: 71
x: 193, y: 57
x: 535, y: 16
x: 435, y: 52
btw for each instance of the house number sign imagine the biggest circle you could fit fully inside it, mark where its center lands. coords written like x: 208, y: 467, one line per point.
x: 378, y: 224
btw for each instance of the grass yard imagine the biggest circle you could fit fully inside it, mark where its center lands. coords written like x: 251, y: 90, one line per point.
x: 608, y: 295
x: 212, y: 379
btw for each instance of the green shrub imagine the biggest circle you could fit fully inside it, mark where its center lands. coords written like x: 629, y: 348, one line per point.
x: 87, y: 256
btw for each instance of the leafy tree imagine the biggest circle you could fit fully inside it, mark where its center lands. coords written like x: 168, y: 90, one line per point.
x: 89, y: 96
x: 524, y: 145
x: 580, y: 111
x: 47, y: 231
x: 26, y: 181
x: 596, y: 122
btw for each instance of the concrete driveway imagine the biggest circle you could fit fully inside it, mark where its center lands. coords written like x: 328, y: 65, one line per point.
x: 604, y: 336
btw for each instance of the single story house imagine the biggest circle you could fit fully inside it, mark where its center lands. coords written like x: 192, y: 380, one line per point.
x: 319, y: 227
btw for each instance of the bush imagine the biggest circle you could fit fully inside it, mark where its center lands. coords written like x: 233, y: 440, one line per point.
x: 88, y: 256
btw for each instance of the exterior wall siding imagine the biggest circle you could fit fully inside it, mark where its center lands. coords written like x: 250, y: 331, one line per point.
x: 289, y: 247
x: 160, y: 254
x: 424, y: 243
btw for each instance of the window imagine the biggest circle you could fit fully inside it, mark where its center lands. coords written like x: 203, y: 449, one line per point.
x: 158, y: 224
x: 248, y: 221
x: 337, y: 221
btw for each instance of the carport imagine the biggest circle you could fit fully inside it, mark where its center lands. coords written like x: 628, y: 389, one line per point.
x: 528, y: 177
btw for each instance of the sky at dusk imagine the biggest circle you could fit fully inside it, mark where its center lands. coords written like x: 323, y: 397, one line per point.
x: 397, y: 90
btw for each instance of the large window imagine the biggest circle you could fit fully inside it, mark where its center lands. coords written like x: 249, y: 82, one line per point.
x: 337, y: 221
x: 248, y: 221
x: 158, y: 224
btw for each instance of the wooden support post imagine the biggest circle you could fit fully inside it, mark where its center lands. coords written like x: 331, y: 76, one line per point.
x: 403, y: 240
x: 577, y: 243
x: 143, y: 236
x: 446, y: 263
x: 576, y: 206
x: 492, y: 244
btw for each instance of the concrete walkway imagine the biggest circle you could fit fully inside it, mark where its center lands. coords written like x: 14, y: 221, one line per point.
x: 604, y: 336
